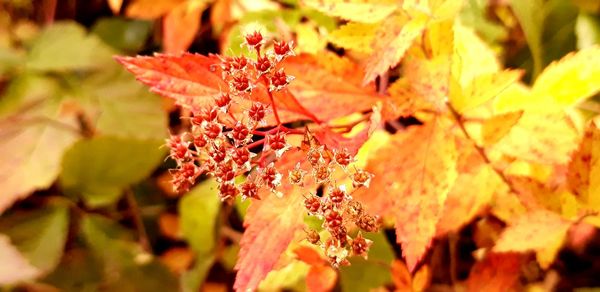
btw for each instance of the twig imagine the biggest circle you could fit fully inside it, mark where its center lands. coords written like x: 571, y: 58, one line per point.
x: 485, y: 157
x: 231, y: 234
x: 137, y: 220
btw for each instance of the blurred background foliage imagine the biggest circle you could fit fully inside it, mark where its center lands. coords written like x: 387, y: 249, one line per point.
x: 86, y: 198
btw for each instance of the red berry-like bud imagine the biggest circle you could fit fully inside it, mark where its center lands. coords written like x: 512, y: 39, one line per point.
x: 212, y: 130
x: 200, y: 141
x: 225, y: 171
x: 313, y: 236
x: 223, y: 100
x: 282, y: 48
x: 241, y: 82
x: 360, y: 245
x: 263, y: 64
x: 312, y: 204
x: 241, y: 156
x: 342, y: 157
x: 254, y: 39
x: 228, y: 191
x: 240, y: 133
x: 239, y: 63
x: 361, y: 178
x: 296, y: 175
x: 205, y: 115
x: 314, y: 157
x: 368, y: 223
x: 333, y: 219
x: 249, y: 190
x: 354, y: 209
x: 218, y: 152
x: 277, y: 143
x: 322, y: 173
x: 341, y: 235
x: 337, y: 195
x: 257, y: 112
x: 271, y: 176
x: 279, y: 80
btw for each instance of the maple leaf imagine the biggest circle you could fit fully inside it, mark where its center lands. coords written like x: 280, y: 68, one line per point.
x: 547, y: 139
x: 336, y: 141
x: 583, y: 176
x: 321, y: 276
x: 15, y: 268
x: 271, y: 224
x: 405, y: 282
x: 354, y: 36
x: 540, y: 231
x: 393, y: 38
x: 414, y: 172
x: 193, y: 80
x: 497, y: 272
x: 496, y: 127
x: 331, y: 79
x: 180, y: 26
x: 370, y: 12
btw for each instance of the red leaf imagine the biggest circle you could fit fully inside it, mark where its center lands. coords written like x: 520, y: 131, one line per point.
x: 329, y: 86
x: 497, y: 272
x: 413, y: 174
x: 180, y: 26
x: 320, y: 277
x: 337, y: 141
x: 271, y: 224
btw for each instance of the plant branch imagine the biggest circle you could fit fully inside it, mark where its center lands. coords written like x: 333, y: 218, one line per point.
x: 137, y: 220
x: 459, y: 120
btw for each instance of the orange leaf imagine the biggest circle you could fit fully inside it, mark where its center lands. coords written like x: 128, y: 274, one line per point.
x: 547, y: 139
x: 401, y: 276
x: 193, y: 80
x: 391, y: 41
x: 320, y: 277
x: 337, y: 141
x: 496, y: 273
x: 413, y: 175
x: 180, y: 26
x: 150, y: 9
x: 540, y: 231
x: 329, y: 86
x: 496, y: 127
x: 584, y: 168
x: 271, y: 224
x: 115, y: 5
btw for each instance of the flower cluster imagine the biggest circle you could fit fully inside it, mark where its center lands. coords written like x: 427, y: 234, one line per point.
x: 226, y: 146
x: 336, y: 206
x: 221, y: 144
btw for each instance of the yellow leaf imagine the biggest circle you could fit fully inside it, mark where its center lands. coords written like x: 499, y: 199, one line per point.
x: 309, y: 39
x: 150, y: 9
x: 354, y: 36
x: 483, y: 88
x: 445, y: 9
x: 422, y: 279
x: 570, y: 80
x: 115, y: 5
x: 496, y: 127
x: 540, y: 231
x: 584, y: 169
x: 180, y: 26
x: 355, y: 10
x: 393, y: 38
x: 545, y: 139
x: 472, y: 58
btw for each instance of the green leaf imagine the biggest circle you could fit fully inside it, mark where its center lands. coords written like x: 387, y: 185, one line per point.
x: 192, y: 280
x: 26, y: 90
x: 126, y: 266
x: 39, y: 235
x: 123, y: 34
x: 198, y: 212
x: 588, y: 30
x: 15, y: 268
x: 65, y: 46
x: 79, y: 270
x: 32, y: 145
x: 126, y: 108
x: 99, y: 169
x: 531, y: 17
x: 364, y: 275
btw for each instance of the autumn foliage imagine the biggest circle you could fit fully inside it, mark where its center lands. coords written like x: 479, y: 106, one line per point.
x: 374, y: 148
